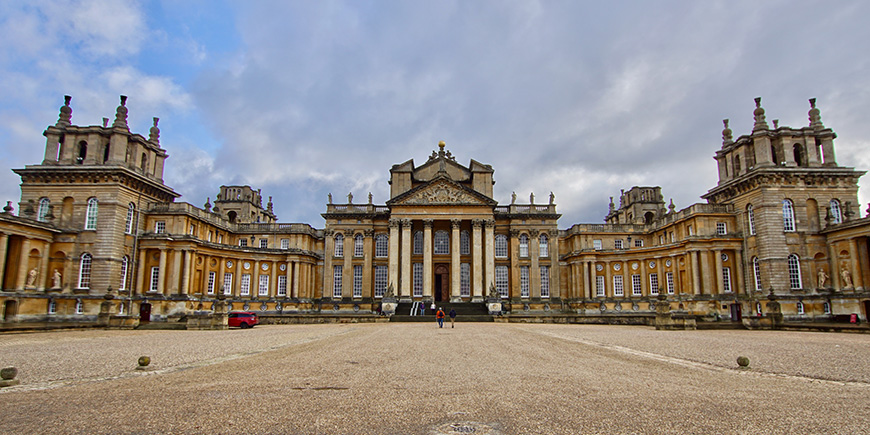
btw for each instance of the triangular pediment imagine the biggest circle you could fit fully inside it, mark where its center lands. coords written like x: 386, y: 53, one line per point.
x: 442, y: 191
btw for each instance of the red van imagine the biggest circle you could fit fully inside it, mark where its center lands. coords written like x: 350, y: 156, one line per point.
x: 243, y: 319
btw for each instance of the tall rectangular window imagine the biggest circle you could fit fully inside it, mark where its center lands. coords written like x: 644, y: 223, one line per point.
x: 380, y: 280
x: 160, y: 227
x: 635, y: 285
x: 358, y: 245
x: 670, y: 281
x: 155, y: 278
x: 617, y: 244
x: 690, y: 231
x: 264, y: 285
x: 91, y: 215
x: 128, y: 224
x: 544, y: 246
x: 501, y: 246
x: 524, y: 246
x: 124, y: 267
x: 381, y: 245
x: 210, y: 286
x: 228, y: 283
x: 654, y: 284
x: 264, y: 243
x: 285, y: 243
x: 501, y: 280
x: 545, y: 281
x: 726, y: 279
x: 617, y: 286
x: 418, y: 279
x: 357, y: 281
x: 721, y: 229
x: 243, y: 242
x: 336, y: 281
x: 756, y: 270
x: 465, y: 279
x: 596, y: 245
x: 524, y: 281
x: 282, y: 285
x: 338, y: 246
x: 192, y: 230
x: 246, y: 284
x: 599, y: 286
x: 464, y: 245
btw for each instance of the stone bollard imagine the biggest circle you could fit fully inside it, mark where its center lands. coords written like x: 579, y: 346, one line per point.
x: 7, y: 377
x: 143, y: 362
x: 743, y: 362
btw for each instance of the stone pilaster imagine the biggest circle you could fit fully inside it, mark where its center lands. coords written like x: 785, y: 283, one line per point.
x: 857, y: 280
x: 22, y: 265
x: 347, y: 274
x: 490, y: 252
x: 454, y: 260
x: 295, y: 289
x: 720, y: 277
x: 4, y: 242
x: 185, y: 274
x: 368, y: 253
x: 407, y: 277
x: 477, y: 260
x: 394, y: 254
x: 427, y: 258
x: 161, y: 272
x: 43, y: 274
x: 696, y: 274
x: 535, y: 269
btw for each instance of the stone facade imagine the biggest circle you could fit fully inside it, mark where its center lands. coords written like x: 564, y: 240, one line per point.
x: 98, y: 235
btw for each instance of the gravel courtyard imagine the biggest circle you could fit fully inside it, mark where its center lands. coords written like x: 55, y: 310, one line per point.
x: 417, y: 379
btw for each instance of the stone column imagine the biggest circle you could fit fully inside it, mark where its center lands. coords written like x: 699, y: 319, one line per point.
x: 454, y: 261
x: 706, y: 286
x: 255, y: 280
x: 295, y: 288
x: 394, y: 254
x: 555, y: 276
x: 738, y: 260
x: 185, y: 272
x: 140, y: 272
x: 175, y: 277
x: 4, y: 242
x: 608, y: 281
x: 161, y: 274
x: 857, y: 280
x: 406, y: 276
x: 589, y: 280
x: 833, y: 267
x: 427, y: 258
x: 347, y: 274
x: 237, y: 288
x: 329, y: 253
x: 696, y: 274
x: 22, y: 264
x: 644, y: 279
x: 273, y: 279
x: 477, y: 260
x: 720, y: 277
x: 222, y: 270
x: 368, y: 253
x: 535, y: 269
x: 490, y: 253
x: 288, y: 276
x: 42, y: 279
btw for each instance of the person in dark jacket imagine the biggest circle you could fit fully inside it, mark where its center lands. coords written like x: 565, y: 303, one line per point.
x: 439, y: 316
x: 452, y: 317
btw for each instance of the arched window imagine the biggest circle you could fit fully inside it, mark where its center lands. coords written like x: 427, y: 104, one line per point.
x: 442, y: 242
x: 418, y: 243
x: 143, y: 163
x: 750, y: 218
x: 544, y: 246
x: 85, y: 271
x: 787, y: 215
x: 125, y: 263
x: 464, y: 244
x: 358, y: 245
x: 794, y: 271
x: 128, y: 225
x: 524, y: 245
x: 756, y: 270
x: 106, y: 153
x: 501, y: 246
x: 774, y: 156
x: 339, y: 245
x: 42, y: 212
x: 91, y: 215
x: 835, y: 211
x: 381, y: 245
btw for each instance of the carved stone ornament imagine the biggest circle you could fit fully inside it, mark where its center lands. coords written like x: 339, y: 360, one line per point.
x: 441, y: 194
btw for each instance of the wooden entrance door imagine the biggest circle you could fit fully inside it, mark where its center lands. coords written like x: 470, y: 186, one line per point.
x: 145, y: 312
x: 441, y: 290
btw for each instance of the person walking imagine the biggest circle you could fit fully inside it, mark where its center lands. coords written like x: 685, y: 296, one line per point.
x: 452, y: 317
x: 439, y: 316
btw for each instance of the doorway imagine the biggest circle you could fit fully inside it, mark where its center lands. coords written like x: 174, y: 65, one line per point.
x: 10, y: 309
x: 866, y: 310
x: 145, y: 312
x: 441, y: 286
x: 736, y: 313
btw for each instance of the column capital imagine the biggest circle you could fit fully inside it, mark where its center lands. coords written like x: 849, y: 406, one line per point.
x: 489, y: 223
x: 406, y: 223
x: 394, y: 223
x: 553, y: 232
x: 514, y: 233
x: 454, y: 223
x: 534, y: 232
x: 369, y: 232
x: 348, y: 232
x: 477, y: 223
x: 328, y: 232
x: 427, y: 223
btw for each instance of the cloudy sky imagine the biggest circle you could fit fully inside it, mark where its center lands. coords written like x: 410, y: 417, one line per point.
x: 304, y: 98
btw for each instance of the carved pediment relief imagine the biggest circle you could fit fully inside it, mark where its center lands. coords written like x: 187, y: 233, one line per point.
x: 441, y: 193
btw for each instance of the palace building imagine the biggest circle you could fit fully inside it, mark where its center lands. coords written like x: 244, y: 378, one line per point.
x: 98, y: 235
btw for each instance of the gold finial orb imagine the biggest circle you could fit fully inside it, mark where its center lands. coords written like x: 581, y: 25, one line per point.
x: 441, y: 144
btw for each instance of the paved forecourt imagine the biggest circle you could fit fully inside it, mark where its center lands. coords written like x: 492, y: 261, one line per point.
x: 418, y: 379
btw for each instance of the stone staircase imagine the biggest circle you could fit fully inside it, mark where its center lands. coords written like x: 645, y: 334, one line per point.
x: 465, y: 312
